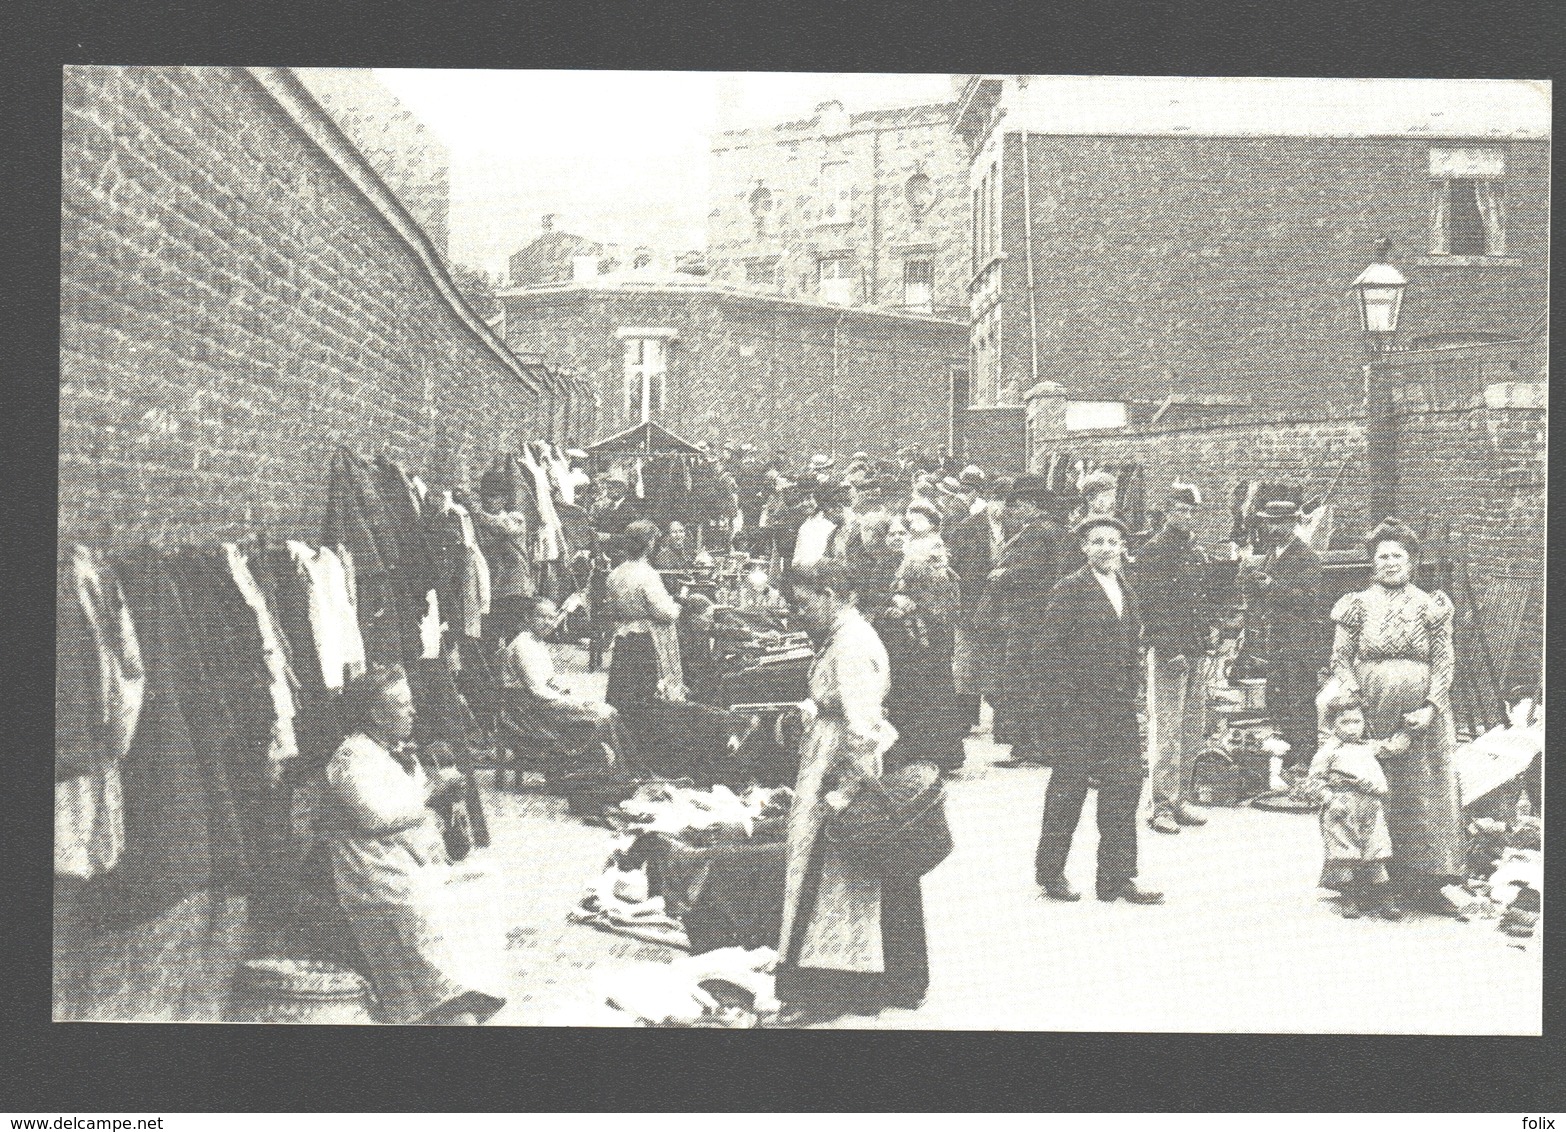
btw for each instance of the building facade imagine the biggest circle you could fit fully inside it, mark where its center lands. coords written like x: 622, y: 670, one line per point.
x: 716, y: 362
x: 1138, y: 239
x: 866, y: 209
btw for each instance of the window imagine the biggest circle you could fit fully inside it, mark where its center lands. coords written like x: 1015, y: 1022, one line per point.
x: 986, y: 362
x: 918, y: 284
x: 646, y: 368
x: 836, y: 202
x: 986, y: 219
x: 1467, y: 201
x: 919, y: 194
x: 838, y: 280
x: 761, y: 272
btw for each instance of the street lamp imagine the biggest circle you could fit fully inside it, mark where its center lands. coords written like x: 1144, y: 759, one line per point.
x: 1379, y: 293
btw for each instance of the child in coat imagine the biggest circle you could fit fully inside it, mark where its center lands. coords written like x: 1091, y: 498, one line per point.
x: 1346, y: 776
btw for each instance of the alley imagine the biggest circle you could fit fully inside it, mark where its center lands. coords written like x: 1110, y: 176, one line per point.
x: 1246, y: 943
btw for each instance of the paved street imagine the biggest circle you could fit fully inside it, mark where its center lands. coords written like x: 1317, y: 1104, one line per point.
x: 1245, y: 943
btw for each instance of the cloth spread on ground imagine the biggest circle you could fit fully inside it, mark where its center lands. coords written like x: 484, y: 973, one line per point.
x: 691, y: 991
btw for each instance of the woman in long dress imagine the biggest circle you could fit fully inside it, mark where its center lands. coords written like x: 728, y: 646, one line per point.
x: 1393, y: 646
x: 424, y: 931
x: 927, y: 602
x: 645, y: 666
x: 849, y: 943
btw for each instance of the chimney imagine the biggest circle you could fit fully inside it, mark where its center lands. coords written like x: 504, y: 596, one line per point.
x: 547, y: 222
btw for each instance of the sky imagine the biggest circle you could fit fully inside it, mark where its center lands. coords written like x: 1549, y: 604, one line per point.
x: 618, y: 156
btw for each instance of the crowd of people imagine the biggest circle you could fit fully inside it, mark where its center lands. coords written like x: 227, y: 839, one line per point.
x: 929, y: 589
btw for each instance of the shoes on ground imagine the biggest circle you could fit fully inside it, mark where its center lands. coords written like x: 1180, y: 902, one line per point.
x: 1131, y: 894
x: 1186, y: 815
x: 1164, y: 823
x: 1057, y: 888
x: 1350, y: 909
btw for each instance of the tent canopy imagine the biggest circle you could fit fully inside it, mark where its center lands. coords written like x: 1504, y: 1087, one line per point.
x: 642, y: 440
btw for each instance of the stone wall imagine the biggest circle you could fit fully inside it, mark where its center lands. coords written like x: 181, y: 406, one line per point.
x: 885, y: 150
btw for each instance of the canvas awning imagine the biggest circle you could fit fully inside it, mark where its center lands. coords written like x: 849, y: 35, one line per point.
x: 644, y: 439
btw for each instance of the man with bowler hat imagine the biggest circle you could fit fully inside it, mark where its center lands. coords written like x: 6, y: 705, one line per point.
x: 1093, y: 630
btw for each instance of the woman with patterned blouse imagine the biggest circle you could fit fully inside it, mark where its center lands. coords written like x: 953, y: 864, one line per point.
x: 1393, y: 647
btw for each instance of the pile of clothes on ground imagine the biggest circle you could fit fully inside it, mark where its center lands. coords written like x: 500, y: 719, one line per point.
x: 1506, y: 875
x: 730, y: 988
x: 697, y: 870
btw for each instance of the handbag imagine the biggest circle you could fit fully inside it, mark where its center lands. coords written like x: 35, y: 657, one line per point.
x: 895, y: 826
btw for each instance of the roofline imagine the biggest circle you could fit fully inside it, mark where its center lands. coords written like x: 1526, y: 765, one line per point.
x: 865, y: 119
x: 1412, y: 135
x: 299, y: 106
x: 584, y: 289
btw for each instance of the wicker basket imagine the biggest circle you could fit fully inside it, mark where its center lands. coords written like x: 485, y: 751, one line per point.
x: 300, y: 991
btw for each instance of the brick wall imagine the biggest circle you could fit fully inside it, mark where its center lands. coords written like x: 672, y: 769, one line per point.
x: 884, y: 149
x: 746, y: 368
x: 233, y: 307
x: 1217, y: 456
x: 1226, y: 260
x: 410, y: 159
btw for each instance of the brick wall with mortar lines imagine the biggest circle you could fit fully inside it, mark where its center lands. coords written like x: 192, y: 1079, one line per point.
x: 747, y: 370
x: 232, y: 309
x: 883, y: 149
x: 1215, y: 457
x: 1227, y: 260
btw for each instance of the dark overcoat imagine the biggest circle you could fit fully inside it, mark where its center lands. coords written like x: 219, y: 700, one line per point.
x: 1012, y: 608
x: 1096, y: 665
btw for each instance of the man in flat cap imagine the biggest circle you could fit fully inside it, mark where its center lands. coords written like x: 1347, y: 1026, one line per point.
x: 1093, y: 628
x: 1177, y: 616
x: 1016, y: 594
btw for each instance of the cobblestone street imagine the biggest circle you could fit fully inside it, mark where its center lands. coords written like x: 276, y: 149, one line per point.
x: 1245, y: 943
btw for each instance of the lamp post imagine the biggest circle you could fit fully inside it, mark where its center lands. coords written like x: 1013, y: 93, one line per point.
x: 1379, y: 294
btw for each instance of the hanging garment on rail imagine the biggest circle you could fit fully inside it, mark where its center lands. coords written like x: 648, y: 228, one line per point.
x: 547, y: 546
x: 282, y: 683
x: 225, y: 639
x: 357, y: 517
x: 334, y: 618
x: 100, y: 685
x: 172, y: 809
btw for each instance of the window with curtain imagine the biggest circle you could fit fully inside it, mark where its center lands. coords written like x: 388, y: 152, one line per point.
x: 1467, y: 201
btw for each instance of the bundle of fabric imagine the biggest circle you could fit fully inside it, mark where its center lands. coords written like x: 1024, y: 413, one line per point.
x: 708, y: 817
x: 731, y: 988
x: 617, y: 902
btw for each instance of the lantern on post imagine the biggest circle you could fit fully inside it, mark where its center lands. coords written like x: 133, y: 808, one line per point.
x: 1378, y: 293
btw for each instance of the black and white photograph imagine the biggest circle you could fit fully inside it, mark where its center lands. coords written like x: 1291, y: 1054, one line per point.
x: 801, y: 550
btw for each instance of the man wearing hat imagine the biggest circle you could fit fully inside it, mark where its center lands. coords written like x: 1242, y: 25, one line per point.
x: 1016, y: 594
x: 1170, y: 578
x: 615, y: 511
x: 750, y: 481
x: 1284, y: 608
x: 1093, y: 629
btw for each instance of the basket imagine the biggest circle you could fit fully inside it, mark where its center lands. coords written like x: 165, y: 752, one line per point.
x: 300, y: 991
x: 895, y: 827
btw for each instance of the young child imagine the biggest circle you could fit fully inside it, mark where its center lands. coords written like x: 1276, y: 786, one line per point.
x: 1346, y: 775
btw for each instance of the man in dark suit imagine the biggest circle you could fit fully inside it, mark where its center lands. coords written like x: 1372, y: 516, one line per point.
x: 1029, y: 563
x: 1093, y: 630
x: 1283, y: 599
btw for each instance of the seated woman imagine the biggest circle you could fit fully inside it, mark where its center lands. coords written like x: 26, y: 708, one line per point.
x: 425, y: 945
x: 575, y: 732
